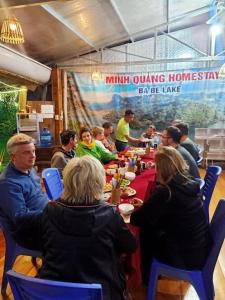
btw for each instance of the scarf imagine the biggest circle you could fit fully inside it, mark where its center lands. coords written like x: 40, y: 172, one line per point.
x: 90, y: 146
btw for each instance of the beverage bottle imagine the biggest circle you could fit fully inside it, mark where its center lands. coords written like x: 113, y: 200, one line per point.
x: 46, y: 137
x: 138, y: 165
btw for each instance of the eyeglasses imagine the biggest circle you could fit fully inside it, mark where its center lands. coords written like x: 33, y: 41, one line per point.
x: 166, y: 137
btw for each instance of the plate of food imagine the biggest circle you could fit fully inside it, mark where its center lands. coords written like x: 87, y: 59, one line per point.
x: 136, y: 202
x: 140, y: 151
x: 114, y: 166
x: 107, y: 187
x: 124, y: 183
x: 128, y: 191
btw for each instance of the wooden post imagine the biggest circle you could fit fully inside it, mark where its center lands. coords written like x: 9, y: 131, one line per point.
x: 56, y: 79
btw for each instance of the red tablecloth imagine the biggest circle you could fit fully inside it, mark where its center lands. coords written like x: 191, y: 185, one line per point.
x: 143, y: 184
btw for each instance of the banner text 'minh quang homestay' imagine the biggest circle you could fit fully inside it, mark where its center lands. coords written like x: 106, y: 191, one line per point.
x: 195, y: 96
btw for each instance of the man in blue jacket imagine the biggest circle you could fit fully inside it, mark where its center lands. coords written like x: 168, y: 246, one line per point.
x: 20, y: 189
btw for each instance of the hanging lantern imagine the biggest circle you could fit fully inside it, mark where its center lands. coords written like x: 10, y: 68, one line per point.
x: 11, y: 31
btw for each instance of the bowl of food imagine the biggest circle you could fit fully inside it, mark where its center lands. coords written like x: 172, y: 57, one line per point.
x: 126, y: 208
x: 130, y: 176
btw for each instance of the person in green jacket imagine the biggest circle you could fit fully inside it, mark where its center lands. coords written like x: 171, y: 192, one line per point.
x: 87, y: 146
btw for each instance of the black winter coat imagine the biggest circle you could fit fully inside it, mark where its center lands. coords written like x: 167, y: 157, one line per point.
x: 81, y: 244
x: 173, y: 226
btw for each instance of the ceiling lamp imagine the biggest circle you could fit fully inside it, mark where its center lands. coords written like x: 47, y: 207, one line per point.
x: 96, y: 76
x: 11, y: 31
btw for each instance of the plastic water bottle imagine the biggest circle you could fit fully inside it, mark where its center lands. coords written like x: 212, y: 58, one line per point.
x: 155, y: 141
x: 46, y: 137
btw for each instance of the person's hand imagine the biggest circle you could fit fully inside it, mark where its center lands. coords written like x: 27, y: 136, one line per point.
x: 141, y: 140
x: 136, y: 202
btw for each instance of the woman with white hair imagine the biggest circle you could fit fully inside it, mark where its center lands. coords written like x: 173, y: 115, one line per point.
x: 80, y: 236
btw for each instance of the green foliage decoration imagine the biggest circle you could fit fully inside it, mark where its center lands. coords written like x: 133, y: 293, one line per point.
x: 8, y: 109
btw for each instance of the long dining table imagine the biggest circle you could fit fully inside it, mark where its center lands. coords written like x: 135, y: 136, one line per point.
x: 143, y: 185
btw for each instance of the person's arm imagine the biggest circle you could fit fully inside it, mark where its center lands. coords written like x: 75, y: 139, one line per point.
x: 110, y: 147
x: 133, y: 140
x: 101, y: 145
x: 153, y: 209
x: 105, y: 156
x: 125, y: 240
x: 13, y: 201
x: 28, y: 231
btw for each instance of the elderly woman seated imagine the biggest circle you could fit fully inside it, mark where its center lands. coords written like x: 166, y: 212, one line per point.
x: 88, y: 146
x: 80, y: 236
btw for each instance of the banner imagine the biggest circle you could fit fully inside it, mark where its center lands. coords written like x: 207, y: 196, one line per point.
x: 195, y: 96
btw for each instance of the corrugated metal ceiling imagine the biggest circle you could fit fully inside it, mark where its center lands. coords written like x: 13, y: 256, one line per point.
x: 60, y: 30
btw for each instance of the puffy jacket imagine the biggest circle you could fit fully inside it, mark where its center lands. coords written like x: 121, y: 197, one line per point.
x: 81, y: 244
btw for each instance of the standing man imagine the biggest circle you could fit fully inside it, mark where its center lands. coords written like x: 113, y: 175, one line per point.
x: 20, y: 188
x: 123, y: 131
x: 171, y: 137
x: 64, y: 153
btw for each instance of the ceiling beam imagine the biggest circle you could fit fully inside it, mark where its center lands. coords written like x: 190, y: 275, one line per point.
x: 24, y: 3
x: 116, y: 9
x: 149, y: 62
x: 128, y: 53
x: 183, y: 43
x: 67, y: 24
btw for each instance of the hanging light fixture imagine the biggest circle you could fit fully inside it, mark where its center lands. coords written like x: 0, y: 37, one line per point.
x: 96, y: 75
x: 11, y: 31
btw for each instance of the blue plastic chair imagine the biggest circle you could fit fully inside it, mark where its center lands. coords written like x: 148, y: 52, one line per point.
x: 201, y: 182
x: 53, y: 183
x: 211, y: 176
x: 29, y: 288
x: 12, y: 250
x: 202, y: 280
x: 199, y: 161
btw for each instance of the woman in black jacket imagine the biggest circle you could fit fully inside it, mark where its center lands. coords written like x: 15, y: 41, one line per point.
x: 81, y: 237
x: 173, y: 226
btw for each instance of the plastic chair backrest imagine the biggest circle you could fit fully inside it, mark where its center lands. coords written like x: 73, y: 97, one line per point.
x: 201, y: 182
x: 211, y: 176
x: 12, y: 250
x: 199, y: 161
x: 201, y: 279
x: 29, y: 288
x: 217, y: 229
x: 53, y: 183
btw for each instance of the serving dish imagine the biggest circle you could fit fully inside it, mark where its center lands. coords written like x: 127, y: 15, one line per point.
x: 107, y: 188
x: 125, y: 208
x: 128, y: 191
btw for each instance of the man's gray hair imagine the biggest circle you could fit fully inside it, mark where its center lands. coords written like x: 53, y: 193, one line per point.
x: 17, y: 140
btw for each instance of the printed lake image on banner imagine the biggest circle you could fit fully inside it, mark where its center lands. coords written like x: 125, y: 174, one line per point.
x: 195, y: 96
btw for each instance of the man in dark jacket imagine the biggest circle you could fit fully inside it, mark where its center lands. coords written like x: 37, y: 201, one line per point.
x: 64, y: 153
x: 20, y: 188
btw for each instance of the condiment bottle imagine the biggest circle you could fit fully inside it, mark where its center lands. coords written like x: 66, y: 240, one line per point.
x: 138, y: 165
